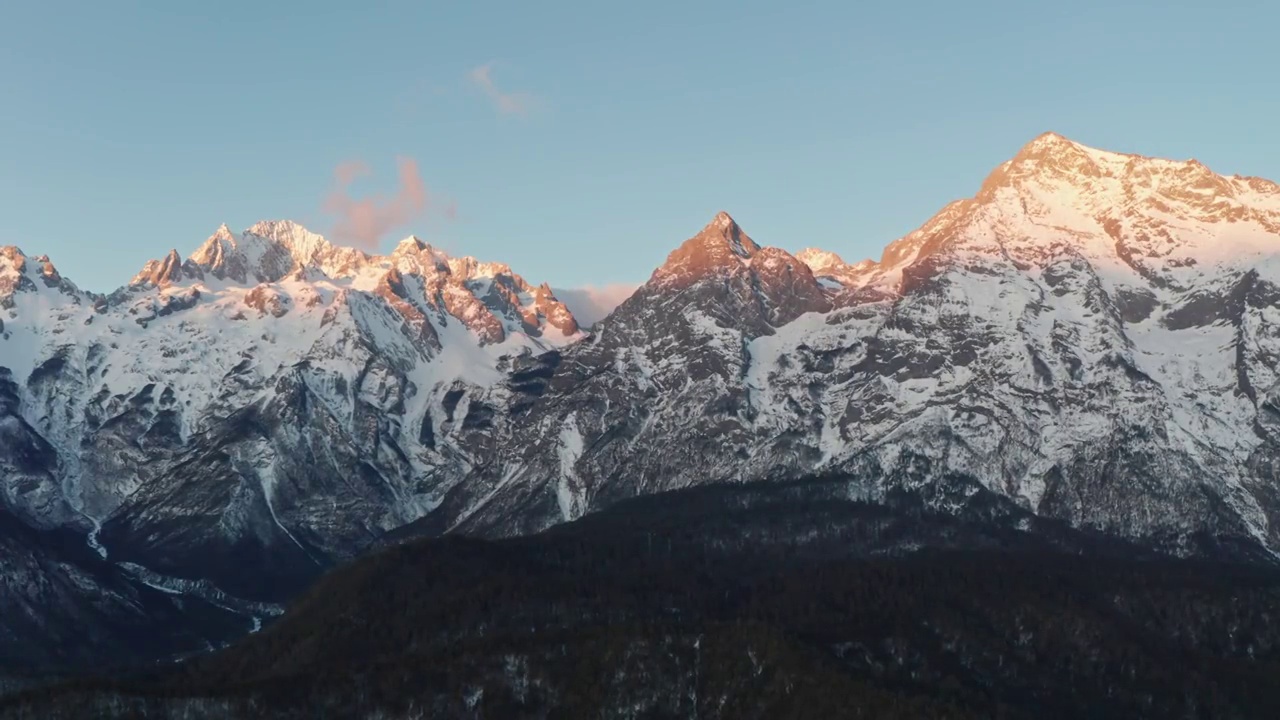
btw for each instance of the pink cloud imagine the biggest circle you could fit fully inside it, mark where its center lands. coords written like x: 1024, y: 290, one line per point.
x: 365, y: 221
x: 507, y: 103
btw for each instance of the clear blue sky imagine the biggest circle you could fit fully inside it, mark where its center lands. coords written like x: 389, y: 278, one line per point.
x: 132, y: 127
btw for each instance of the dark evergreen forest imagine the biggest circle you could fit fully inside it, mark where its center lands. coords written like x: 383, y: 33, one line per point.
x: 770, y: 601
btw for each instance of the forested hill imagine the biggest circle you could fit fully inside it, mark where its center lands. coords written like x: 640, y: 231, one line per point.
x: 769, y: 601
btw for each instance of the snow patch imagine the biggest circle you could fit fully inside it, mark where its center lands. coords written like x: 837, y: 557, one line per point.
x: 569, y: 496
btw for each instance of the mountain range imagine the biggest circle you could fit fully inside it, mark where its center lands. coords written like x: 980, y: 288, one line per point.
x: 1091, y: 338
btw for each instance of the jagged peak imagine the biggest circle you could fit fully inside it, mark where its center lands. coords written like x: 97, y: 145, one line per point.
x: 724, y: 258
x: 272, y: 249
x: 222, y: 239
x: 724, y: 228
x: 1058, y: 154
x: 13, y: 268
x: 721, y: 243
x: 461, y: 268
x: 1057, y: 191
x: 46, y: 268
x: 1048, y: 142
x: 415, y: 255
x: 411, y: 244
x: 165, y: 271
x: 819, y: 260
x: 303, y: 244
x: 1049, y: 146
x: 19, y: 271
x: 1048, y: 155
x: 470, y: 268
x: 722, y: 220
x: 1052, y: 159
x: 12, y: 254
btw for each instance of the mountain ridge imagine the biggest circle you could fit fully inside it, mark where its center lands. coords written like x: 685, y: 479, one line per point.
x: 272, y: 405
x: 1103, y: 296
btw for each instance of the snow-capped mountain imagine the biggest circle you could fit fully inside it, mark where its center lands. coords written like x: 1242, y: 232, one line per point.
x: 1093, y: 336
x: 260, y: 410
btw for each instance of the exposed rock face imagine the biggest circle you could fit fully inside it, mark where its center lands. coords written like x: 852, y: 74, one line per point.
x: 260, y: 411
x: 160, y: 272
x: 1092, y: 335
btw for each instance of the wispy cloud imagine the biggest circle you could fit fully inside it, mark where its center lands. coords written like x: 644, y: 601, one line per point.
x: 364, y: 222
x: 507, y: 103
x: 591, y: 304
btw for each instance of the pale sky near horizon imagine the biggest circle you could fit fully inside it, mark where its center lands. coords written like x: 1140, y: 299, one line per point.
x: 581, y: 143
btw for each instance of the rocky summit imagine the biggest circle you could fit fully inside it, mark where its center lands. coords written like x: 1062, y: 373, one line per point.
x: 1092, y: 337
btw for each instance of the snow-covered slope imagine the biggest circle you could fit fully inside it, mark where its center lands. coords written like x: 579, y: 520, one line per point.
x: 272, y: 391
x: 1094, y: 335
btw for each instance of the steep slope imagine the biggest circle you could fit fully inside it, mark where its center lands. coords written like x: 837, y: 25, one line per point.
x: 68, y: 610
x: 665, y: 370
x: 261, y: 410
x: 1093, y: 335
x: 745, y: 602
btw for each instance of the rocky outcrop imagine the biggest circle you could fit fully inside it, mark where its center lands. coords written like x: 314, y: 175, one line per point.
x: 1092, y: 336
x: 261, y: 411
